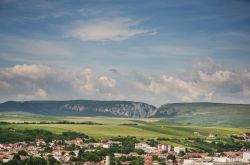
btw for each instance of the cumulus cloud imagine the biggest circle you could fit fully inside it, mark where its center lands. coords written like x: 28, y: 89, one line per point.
x: 205, y: 81
x: 199, y: 83
x: 167, y: 86
x: 90, y: 85
x: 26, y: 71
x: 41, y: 93
x: 29, y: 82
x: 107, y: 81
x: 107, y: 30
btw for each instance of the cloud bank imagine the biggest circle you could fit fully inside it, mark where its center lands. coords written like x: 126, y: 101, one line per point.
x: 205, y: 81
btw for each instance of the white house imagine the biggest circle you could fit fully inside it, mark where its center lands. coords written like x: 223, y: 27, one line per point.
x: 179, y: 149
x: 147, y: 148
x: 246, y: 157
x: 188, y: 162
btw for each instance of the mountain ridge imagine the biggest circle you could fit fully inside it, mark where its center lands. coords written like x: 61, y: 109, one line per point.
x: 82, y: 108
x: 202, y: 113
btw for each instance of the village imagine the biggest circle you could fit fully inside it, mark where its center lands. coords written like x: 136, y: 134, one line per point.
x: 125, y: 151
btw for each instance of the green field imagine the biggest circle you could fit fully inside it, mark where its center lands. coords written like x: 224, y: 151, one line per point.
x: 100, y: 120
x: 144, y: 131
x: 143, y: 128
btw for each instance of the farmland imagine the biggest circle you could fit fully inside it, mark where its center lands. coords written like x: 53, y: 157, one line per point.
x: 143, y: 128
x: 106, y: 127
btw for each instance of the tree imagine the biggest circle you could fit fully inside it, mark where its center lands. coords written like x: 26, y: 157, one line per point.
x: 91, y: 156
x: 52, y: 161
x: 182, y: 153
x: 139, y: 151
x: 80, y: 153
x: 138, y: 161
x: 34, y: 161
x: 47, y: 149
x: 72, y: 153
x: 13, y: 162
x: 171, y: 157
x: 21, y: 152
x: 152, y: 143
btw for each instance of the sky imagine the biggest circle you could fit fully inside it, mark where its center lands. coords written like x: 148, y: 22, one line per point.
x: 151, y: 51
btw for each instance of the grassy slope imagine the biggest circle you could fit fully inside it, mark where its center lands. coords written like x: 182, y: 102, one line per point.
x: 206, y: 114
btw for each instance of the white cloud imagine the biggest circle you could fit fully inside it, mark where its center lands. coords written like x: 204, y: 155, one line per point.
x: 36, y: 95
x: 32, y: 82
x: 107, y: 30
x: 246, y: 82
x: 26, y: 71
x: 206, y: 81
x: 107, y: 81
x: 41, y: 93
x: 217, y: 77
x: 90, y: 85
x: 172, y: 87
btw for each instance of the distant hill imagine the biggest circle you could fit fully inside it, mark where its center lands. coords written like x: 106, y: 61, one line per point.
x: 206, y: 114
x: 236, y: 115
x: 82, y: 108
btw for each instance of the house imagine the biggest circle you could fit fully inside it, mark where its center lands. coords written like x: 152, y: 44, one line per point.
x: 147, y: 148
x: 78, y: 140
x: 246, y: 157
x: 197, y: 133
x: 108, y: 144
x: 247, y: 136
x: 196, y: 155
x: 2, y: 155
x: 40, y: 141
x: 226, y: 160
x: 5, y: 146
x: 5, y: 160
x: 155, y: 162
x: 211, y: 135
x: 188, y: 162
x: 23, y: 157
x: 163, y: 147
x: 179, y: 149
x: 231, y: 154
x: 148, y: 160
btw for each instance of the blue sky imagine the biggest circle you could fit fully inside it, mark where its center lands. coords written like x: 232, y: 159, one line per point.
x: 151, y: 51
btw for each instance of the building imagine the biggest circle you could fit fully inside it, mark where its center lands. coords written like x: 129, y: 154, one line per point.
x: 246, y: 157
x: 196, y: 155
x: 40, y: 141
x: 188, y: 162
x: 179, y: 149
x: 147, y: 148
x: 107, y: 160
x: 148, y: 160
x: 163, y: 147
x: 211, y: 135
x: 247, y: 136
x: 106, y: 145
